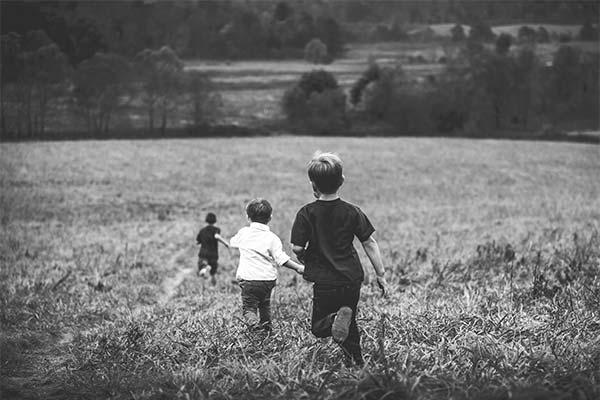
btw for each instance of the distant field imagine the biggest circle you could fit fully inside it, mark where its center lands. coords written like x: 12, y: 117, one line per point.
x: 99, y: 297
x: 252, y: 90
x: 445, y: 30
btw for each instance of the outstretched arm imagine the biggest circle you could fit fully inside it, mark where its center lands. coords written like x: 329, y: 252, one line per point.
x: 221, y: 239
x: 372, y: 249
x: 291, y: 264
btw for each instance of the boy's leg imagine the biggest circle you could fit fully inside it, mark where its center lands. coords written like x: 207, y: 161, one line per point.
x: 214, y: 264
x: 250, y: 301
x: 203, y: 267
x: 326, y: 303
x: 264, y: 306
x: 351, y: 345
x: 202, y: 263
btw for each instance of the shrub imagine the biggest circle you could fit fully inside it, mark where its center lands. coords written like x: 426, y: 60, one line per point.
x: 542, y: 35
x: 316, y: 52
x: 588, y: 32
x: 458, y: 33
x: 526, y: 34
x: 503, y: 43
x: 481, y: 32
x: 316, y: 103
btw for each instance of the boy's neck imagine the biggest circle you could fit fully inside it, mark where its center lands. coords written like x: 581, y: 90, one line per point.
x: 328, y: 197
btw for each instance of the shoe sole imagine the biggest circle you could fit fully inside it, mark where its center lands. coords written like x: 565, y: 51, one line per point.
x: 341, y: 324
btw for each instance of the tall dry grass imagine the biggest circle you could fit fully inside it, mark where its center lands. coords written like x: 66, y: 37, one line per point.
x: 491, y: 248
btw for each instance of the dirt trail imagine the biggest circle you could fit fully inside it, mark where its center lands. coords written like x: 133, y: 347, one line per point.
x: 170, y: 284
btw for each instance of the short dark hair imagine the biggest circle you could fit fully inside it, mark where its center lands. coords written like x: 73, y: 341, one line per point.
x: 259, y: 210
x: 325, y: 172
x: 211, y: 218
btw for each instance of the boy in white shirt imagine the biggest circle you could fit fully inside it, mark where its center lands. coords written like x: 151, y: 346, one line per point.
x: 261, y: 252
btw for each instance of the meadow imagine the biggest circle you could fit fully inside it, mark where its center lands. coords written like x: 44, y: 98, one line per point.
x: 492, y: 251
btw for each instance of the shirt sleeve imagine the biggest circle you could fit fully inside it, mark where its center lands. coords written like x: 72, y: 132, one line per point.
x: 364, y: 229
x: 236, y: 239
x: 277, y: 252
x: 300, y: 230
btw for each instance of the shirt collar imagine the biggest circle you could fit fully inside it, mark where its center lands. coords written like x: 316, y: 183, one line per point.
x: 260, y: 226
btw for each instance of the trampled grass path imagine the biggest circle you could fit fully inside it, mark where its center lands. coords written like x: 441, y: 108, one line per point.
x: 170, y: 284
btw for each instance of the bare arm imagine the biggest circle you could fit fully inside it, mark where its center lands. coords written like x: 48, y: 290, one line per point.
x: 291, y: 264
x: 221, y: 239
x: 372, y: 249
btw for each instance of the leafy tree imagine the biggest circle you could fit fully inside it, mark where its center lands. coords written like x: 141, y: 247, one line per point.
x: 282, y: 11
x: 329, y: 31
x: 542, y: 35
x: 481, y: 32
x: 304, y: 30
x: 100, y: 85
x: 571, y: 88
x: 526, y: 34
x: 588, y: 32
x: 503, y: 43
x: 34, y: 73
x: 161, y: 73
x: 10, y: 68
x: 205, y: 103
x: 316, y: 52
x: 372, y: 73
x: 458, y: 33
x: 526, y: 87
x: 316, y: 102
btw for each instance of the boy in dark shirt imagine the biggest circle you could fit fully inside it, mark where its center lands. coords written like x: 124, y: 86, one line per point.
x: 208, y: 238
x: 322, y: 236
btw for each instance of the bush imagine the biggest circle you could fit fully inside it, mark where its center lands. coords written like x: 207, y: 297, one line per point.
x: 542, y: 35
x: 503, y: 43
x: 481, y: 32
x: 588, y: 33
x: 316, y: 52
x: 316, y: 103
x: 458, y: 33
x: 526, y: 34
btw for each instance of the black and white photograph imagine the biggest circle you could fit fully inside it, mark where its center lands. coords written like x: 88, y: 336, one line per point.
x: 300, y: 199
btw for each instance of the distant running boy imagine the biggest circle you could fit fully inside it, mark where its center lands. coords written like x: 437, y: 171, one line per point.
x: 261, y: 252
x: 208, y: 238
x: 322, y: 236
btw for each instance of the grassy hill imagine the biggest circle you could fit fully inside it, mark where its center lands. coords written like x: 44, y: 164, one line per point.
x: 491, y: 248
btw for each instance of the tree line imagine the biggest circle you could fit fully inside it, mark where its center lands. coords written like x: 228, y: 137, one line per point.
x: 227, y: 29
x: 92, y: 62
x: 38, y: 81
x: 494, y: 88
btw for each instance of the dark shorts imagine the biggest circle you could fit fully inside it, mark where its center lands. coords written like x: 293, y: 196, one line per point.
x: 213, y: 262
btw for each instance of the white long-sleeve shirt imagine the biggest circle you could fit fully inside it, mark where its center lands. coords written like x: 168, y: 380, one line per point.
x: 261, y: 252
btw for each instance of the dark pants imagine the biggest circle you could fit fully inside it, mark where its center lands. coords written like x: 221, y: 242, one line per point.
x: 256, y: 296
x: 327, y: 300
x: 204, y: 261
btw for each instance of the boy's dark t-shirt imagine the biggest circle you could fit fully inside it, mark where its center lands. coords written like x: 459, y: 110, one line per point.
x: 208, y: 244
x: 329, y: 228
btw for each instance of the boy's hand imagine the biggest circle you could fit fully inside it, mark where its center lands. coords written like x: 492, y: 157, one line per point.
x: 300, y: 269
x: 383, y: 285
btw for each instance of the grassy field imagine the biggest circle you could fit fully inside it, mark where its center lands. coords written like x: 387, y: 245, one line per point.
x: 491, y: 249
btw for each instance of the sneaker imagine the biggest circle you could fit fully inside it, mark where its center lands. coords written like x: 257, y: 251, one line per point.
x: 341, y: 324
